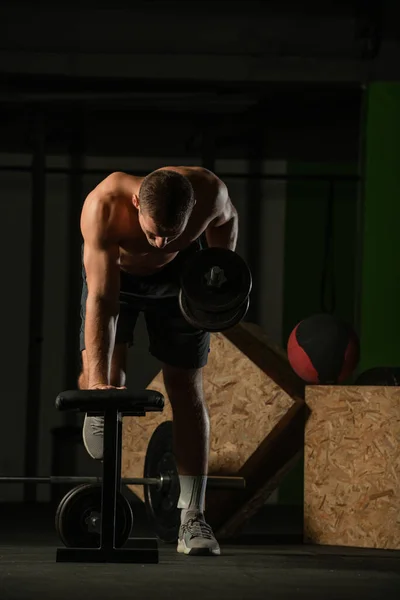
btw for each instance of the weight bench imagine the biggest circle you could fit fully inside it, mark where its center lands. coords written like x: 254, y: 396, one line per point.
x: 113, y: 404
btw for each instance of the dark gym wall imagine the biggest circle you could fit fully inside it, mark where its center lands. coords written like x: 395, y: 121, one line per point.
x: 380, y: 321
x: 14, y: 250
x: 366, y: 254
x: 292, y: 134
x: 321, y: 226
x: 89, y: 51
x: 317, y: 250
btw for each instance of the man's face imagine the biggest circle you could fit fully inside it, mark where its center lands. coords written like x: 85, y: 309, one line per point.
x: 155, y: 236
x: 153, y: 232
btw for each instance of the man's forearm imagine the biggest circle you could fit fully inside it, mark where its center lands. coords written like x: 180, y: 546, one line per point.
x: 224, y: 236
x: 100, y: 328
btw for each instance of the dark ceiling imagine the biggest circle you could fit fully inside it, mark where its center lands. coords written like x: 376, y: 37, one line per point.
x: 112, y: 114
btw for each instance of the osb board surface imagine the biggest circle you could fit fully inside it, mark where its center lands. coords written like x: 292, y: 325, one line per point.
x: 352, y: 466
x: 244, y: 406
x: 271, y: 359
x: 263, y: 472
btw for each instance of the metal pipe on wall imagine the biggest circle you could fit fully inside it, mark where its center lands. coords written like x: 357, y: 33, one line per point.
x: 254, y: 224
x: 37, y: 257
x: 250, y: 175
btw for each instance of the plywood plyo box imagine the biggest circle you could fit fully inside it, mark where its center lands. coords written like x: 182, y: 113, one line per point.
x: 254, y: 401
x: 352, y: 466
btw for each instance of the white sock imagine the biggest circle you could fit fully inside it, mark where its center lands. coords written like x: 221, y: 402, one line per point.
x: 193, y: 494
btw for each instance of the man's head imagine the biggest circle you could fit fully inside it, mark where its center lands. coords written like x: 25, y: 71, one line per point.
x: 165, y: 202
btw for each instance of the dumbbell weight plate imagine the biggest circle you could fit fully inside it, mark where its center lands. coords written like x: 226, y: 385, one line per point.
x: 78, y: 518
x: 230, y: 294
x: 212, y: 321
x: 162, y: 502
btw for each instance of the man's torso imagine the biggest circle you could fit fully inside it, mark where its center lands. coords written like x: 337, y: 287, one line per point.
x: 136, y: 255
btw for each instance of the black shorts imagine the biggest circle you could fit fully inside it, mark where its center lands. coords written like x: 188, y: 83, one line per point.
x: 172, y: 339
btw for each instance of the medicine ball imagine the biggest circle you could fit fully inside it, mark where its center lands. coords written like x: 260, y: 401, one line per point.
x: 322, y: 349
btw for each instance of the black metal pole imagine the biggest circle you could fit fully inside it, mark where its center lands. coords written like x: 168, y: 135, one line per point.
x: 254, y: 224
x: 208, y: 147
x: 359, y: 237
x: 74, y: 257
x: 111, y: 477
x: 328, y: 288
x: 37, y: 255
x: 207, y: 158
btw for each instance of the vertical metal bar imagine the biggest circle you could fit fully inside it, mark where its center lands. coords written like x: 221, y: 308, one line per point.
x: 207, y: 158
x: 37, y: 255
x: 76, y: 149
x: 118, y: 459
x: 328, y: 287
x: 110, y: 478
x: 254, y: 224
x: 358, y: 260
x: 208, y: 148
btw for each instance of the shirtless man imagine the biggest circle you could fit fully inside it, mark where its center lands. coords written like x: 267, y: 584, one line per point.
x: 137, y: 234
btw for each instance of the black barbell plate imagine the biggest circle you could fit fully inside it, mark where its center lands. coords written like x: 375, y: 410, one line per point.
x: 231, y: 294
x: 61, y: 519
x: 59, y: 510
x: 75, y: 510
x: 162, y: 502
x: 212, y: 321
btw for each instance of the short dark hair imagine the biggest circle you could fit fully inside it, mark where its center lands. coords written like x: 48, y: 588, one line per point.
x: 168, y: 198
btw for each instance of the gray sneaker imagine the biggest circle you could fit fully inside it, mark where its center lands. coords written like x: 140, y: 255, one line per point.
x: 196, y: 537
x: 93, y: 436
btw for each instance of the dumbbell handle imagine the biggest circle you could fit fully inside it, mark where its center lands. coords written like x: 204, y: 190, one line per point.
x: 215, y: 277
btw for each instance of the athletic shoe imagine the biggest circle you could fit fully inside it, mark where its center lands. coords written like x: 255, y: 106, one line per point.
x: 196, y: 537
x: 93, y: 436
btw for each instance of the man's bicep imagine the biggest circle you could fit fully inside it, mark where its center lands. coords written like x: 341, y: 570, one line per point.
x: 102, y: 271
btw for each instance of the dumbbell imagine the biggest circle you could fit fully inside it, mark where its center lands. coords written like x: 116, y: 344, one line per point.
x: 215, y: 289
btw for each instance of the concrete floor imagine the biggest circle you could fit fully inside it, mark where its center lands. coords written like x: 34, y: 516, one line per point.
x: 251, y: 567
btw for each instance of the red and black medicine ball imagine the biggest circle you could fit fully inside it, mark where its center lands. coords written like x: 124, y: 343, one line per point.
x: 322, y: 349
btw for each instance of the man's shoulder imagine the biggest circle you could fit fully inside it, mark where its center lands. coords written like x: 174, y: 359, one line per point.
x: 108, y: 205
x: 118, y: 183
